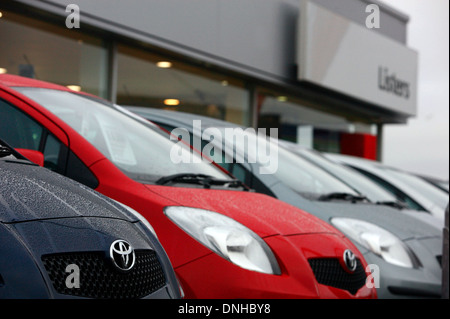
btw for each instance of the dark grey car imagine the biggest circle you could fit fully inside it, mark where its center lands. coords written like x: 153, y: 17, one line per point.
x: 60, y: 239
x: 403, y: 250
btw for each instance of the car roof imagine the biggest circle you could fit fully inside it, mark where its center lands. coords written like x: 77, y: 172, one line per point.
x: 11, y: 80
x: 360, y: 161
x: 180, y: 117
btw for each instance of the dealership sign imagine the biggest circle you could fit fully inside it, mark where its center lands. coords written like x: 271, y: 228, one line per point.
x: 390, y: 83
x: 349, y: 58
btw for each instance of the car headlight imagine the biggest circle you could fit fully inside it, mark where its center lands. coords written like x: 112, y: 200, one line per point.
x: 226, y: 237
x: 377, y: 240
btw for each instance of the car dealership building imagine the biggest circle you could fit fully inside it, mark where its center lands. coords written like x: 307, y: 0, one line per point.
x: 321, y: 71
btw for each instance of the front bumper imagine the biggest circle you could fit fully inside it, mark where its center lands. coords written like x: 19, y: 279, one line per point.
x: 56, y: 244
x: 212, y: 277
x: 423, y: 282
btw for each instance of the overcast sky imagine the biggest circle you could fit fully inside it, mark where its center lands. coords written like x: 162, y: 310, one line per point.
x: 422, y: 145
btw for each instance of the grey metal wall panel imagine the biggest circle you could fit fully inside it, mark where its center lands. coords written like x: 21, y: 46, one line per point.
x: 257, y: 37
x: 392, y: 23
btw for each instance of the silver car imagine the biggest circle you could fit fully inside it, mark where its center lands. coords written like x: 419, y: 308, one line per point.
x: 412, y: 190
x: 359, y: 182
x: 403, y: 250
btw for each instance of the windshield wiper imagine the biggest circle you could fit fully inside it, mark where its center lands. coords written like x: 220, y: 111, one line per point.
x: 395, y: 204
x: 4, y: 151
x: 205, y: 180
x: 344, y: 196
x: 7, y: 150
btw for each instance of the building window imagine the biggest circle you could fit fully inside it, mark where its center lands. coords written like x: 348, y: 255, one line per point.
x: 48, y: 52
x: 150, y: 80
x: 311, y: 127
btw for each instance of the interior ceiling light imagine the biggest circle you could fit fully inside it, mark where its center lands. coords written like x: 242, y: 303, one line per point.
x: 164, y: 64
x: 171, y: 102
x: 76, y: 88
x: 3, y: 70
x: 1, y: 14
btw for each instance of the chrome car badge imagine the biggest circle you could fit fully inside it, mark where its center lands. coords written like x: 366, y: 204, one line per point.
x: 350, y: 260
x: 122, y: 255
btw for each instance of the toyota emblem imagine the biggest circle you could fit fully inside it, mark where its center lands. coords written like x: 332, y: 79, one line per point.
x: 350, y: 260
x: 122, y: 255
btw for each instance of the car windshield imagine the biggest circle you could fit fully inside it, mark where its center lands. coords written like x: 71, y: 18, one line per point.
x: 135, y: 146
x: 356, y: 180
x: 444, y: 185
x: 437, y: 196
x: 294, y: 171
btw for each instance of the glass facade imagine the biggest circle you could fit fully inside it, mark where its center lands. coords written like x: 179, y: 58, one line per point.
x: 137, y: 76
x: 146, y: 79
x: 36, y: 49
x: 306, y: 126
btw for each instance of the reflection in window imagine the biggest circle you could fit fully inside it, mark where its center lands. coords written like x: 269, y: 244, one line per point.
x: 437, y: 196
x: 43, y: 51
x: 143, y: 81
x: 309, y: 127
x: 143, y: 153
x: 18, y: 129
x: 51, y: 153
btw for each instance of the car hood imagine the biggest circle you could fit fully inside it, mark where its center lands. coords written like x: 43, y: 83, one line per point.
x: 79, y: 234
x: 405, y: 224
x: 29, y: 192
x: 265, y: 215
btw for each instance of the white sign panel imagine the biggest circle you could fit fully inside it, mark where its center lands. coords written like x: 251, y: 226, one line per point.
x: 349, y: 58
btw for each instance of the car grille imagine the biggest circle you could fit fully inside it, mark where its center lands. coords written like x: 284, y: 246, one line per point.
x: 329, y: 272
x: 99, y: 279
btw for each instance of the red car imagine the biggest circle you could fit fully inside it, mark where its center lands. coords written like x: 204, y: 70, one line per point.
x: 223, y: 240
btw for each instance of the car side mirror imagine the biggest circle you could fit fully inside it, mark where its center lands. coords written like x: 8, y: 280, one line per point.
x: 33, y: 156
